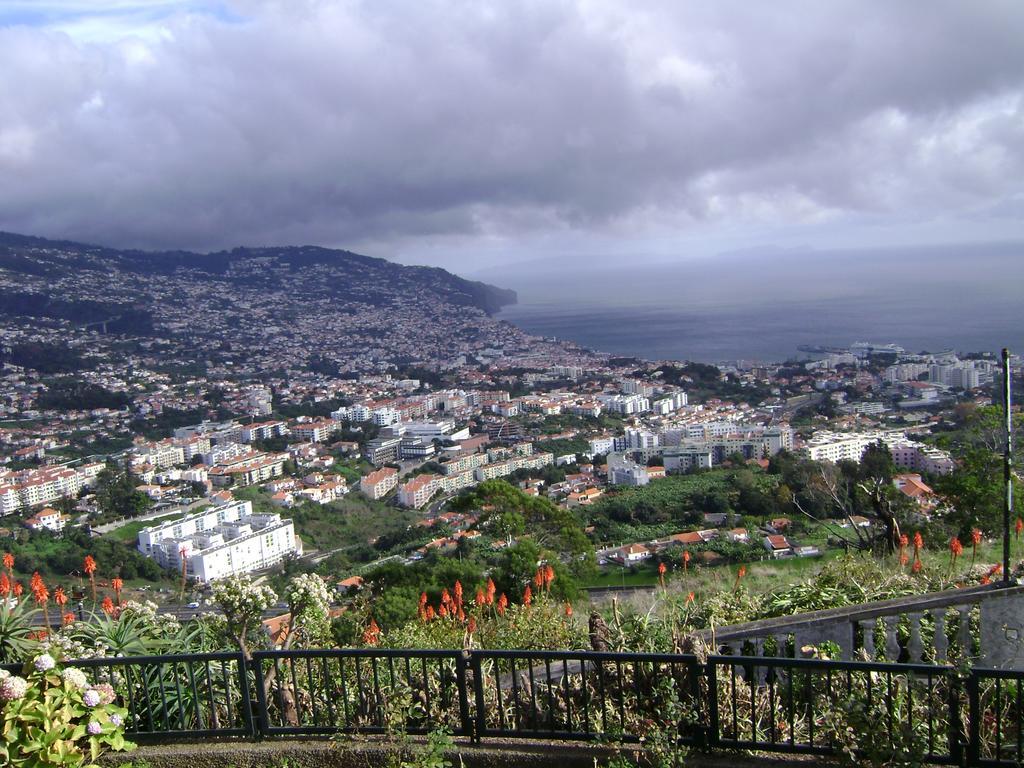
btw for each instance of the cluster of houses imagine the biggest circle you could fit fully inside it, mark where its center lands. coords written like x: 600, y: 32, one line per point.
x: 773, y: 537
x: 315, y: 487
x: 462, y: 525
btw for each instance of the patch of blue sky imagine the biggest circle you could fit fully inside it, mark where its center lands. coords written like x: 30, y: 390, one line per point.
x: 125, y: 13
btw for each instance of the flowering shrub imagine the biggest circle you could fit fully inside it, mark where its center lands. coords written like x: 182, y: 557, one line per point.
x: 243, y: 603
x: 310, y: 605
x: 540, y: 625
x: 54, y: 717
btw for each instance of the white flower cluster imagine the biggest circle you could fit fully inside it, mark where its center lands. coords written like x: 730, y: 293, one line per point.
x: 161, y: 624
x: 308, y: 592
x: 44, y: 662
x: 74, y: 677
x: 66, y: 644
x: 145, y: 609
x: 241, y: 600
x: 310, y: 603
x: 12, y: 687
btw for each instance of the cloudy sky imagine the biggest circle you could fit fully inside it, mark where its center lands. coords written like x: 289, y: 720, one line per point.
x: 470, y: 134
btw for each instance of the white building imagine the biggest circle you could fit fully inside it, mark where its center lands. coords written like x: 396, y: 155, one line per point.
x: 622, y: 471
x: 431, y: 430
x: 48, y: 519
x: 625, y: 404
x: 636, y: 440
x: 686, y: 457
x: 314, y: 431
x: 220, y: 542
x: 836, y: 446
x: 417, y: 492
x: 263, y: 430
x: 380, y: 483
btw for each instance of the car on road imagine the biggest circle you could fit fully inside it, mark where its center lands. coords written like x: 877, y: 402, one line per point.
x: 193, y: 604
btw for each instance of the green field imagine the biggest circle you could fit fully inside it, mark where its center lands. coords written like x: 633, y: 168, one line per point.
x: 761, y: 576
x: 129, y: 534
x: 352, y: 521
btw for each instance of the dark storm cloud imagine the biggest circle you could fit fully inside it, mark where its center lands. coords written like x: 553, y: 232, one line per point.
x: 349, y: 122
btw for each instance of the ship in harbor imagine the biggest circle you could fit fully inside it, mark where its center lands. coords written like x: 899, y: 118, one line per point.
x: 858, y: 348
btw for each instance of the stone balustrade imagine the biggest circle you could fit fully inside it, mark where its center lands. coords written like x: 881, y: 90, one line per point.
x: 983, y: 624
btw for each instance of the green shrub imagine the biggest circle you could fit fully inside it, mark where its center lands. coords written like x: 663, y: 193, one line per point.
x: 55, y: 717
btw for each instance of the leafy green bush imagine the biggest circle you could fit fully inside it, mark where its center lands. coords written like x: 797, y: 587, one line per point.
x: 55, y: 717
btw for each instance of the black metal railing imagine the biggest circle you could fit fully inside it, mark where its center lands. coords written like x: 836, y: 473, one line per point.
x: 764, y: 704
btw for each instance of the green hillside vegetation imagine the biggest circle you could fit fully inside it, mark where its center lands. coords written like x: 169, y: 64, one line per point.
x: 681, y: 500
x: 57, y: 556
x: 351, y: 523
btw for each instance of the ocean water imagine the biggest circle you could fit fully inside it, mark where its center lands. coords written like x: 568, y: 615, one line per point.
x: 764, y: 309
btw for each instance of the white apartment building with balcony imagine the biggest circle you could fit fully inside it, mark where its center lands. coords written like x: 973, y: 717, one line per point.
x: 221, y: 541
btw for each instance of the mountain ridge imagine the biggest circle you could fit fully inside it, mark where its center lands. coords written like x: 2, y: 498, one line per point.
x: 38, y: 256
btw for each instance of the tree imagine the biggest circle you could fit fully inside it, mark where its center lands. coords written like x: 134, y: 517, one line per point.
x: 974, y: 490
x: 116, y: 493
x: 877, y: 462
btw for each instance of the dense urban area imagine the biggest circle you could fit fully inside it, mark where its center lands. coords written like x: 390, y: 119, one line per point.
x: 259, y: 419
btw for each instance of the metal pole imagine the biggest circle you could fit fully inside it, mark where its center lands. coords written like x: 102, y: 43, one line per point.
x: 1007, y: 467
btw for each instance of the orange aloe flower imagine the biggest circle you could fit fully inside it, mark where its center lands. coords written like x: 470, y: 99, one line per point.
x: 686, y: 559
x: 59, y: 597
x: 661, y: 574
x: 975, y: 541
x: 502, y: 604
x: 480, y: 596
x: 568, y: 610
x: 89, y: 566
x: 527, y: 596
x: 955, y: 550
x: 549, y: 576
x: 491, y: 590
x: 372, y: 633
x: 108, y: 606
x: 739, y: 575
x: 67, y: 618
x: 8, y: 561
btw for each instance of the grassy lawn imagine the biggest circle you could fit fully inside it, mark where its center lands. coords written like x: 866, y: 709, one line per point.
x: 761, y: 576
x: 350, y: 521
x: 352, y: 469
x: 617, y: 576
x: 129, y: 534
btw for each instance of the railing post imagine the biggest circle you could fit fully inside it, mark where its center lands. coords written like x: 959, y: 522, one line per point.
x: 711, y: 740
x: 463, y: 686
x: 262, y: 715
x: 695, y: 671
x: 956, y: 735
x: 243, y: 684
x: 478, y: 696
x: 974, y: 720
